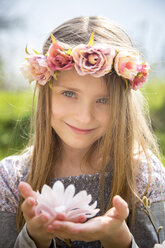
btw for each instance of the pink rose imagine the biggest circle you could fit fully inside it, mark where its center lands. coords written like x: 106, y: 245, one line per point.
x: 37, y: 69
x: 93, y: 59
x: 141, y: 77
x: 126, y: 64
x: 58, y: 60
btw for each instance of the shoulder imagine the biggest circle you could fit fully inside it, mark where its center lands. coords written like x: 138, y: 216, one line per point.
x: 150, y: 176
x: 13, y: 169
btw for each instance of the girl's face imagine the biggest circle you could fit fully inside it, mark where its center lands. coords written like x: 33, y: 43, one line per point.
x: 79, y: 109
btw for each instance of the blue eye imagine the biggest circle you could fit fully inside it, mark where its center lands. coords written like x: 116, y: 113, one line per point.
x: 102, y: 100
x: 69, y: 94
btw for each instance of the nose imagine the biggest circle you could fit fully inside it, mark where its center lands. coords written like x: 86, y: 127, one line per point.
x: 84, y: 113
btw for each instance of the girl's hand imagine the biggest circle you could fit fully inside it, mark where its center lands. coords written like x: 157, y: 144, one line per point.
x: 37, y: 226
x: 110, y: 229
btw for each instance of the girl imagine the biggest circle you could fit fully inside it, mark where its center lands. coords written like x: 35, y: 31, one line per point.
x: 91, y: 130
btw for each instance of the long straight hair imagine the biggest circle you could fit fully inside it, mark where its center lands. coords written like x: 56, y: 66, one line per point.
x: 129, y: 122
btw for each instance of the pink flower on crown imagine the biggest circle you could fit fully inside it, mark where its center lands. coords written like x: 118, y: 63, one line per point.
x: 126, y: 64
x: 93, y: 60
x: 58, y: 60
x: 37, y: 69
x: 141, y: 77
x: 26, y: 71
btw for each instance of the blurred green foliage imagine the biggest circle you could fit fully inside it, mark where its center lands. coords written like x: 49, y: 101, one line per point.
x: 154, y: 92
x: 15, y: 109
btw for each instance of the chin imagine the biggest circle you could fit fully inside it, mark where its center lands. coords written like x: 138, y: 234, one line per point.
x: 79, y: 145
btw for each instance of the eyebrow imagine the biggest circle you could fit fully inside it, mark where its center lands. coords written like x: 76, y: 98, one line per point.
x: 67, y: 87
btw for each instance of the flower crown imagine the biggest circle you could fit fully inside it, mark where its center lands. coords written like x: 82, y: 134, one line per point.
x: 90, y: 59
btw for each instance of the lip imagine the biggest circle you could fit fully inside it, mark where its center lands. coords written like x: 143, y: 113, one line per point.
x: 80, y: 131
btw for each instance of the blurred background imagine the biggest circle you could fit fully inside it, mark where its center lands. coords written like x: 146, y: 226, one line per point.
x: 29, y: 23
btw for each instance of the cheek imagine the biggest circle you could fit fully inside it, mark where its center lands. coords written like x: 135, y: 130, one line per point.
x: 59, y: 111
x: 56, y: 112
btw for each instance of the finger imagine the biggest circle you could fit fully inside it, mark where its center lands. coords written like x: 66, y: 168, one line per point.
x: 62, y: 220
x: 61, y: 226
x: 28, y: 208
x: 121, y: 210
x: 60, y: 216
x: 26, y: 190
x: 84, y: 231
x: 72, y: 227
x: 78, y: 219
x: 40, y: 220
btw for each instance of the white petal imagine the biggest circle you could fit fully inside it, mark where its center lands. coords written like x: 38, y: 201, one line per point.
x: 75, y: 213
x: 88, y: 199
x: 69, y: 193
x: 93, y: 213
x: 78, y: 200
x: 45, y: 189
x: 45, y: 196
x: 78, y: 211
x: 40, y: 208
x: 93, y: 206
x: 61, y: 209
x: 58, y: 192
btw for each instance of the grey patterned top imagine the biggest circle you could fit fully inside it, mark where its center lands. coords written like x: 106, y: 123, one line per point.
x: 14, y: 169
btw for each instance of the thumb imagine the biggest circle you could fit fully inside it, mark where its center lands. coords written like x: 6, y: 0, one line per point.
x: 120, y: 208
x: 26, y: 190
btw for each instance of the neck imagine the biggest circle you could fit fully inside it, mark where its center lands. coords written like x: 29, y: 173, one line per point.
x: 73, y: 155
x: 71, y: 163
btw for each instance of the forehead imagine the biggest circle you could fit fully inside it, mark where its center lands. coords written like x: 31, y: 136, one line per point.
x: 70, y: 79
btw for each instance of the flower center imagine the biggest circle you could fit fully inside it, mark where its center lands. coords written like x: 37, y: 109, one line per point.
x: 92, y: 59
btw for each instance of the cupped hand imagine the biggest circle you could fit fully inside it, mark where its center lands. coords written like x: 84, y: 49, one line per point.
x: 106, y: 228
x: 37, y: 226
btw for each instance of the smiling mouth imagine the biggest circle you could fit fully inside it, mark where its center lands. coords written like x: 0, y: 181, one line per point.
x: 77, y: 130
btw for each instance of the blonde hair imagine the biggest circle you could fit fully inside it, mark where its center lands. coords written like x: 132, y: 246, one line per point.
x: 129, y: 124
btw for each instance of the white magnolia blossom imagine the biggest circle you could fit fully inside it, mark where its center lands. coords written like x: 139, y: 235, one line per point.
x: 59, y: 200
x: 160, y: 245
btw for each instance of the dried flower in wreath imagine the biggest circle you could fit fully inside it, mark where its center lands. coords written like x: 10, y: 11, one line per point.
x: 96, y: 60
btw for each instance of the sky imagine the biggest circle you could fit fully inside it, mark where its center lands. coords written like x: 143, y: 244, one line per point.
x: 142, y: 19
